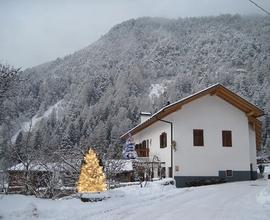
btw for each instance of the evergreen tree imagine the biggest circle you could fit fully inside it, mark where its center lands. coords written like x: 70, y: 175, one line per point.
x: 92, y: 178
x: 37, y: 140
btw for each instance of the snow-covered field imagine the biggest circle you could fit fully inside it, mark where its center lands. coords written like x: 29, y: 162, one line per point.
x: 240, y: 200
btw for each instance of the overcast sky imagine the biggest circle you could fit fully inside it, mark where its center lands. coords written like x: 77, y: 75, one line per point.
x: 36, y: 31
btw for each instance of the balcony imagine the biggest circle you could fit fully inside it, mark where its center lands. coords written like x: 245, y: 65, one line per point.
x: 142, y: 152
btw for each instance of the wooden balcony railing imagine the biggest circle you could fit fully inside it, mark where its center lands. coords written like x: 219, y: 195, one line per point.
x: 143, y: 152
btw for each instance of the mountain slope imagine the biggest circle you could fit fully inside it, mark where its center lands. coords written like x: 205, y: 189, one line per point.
x: 107, y: 84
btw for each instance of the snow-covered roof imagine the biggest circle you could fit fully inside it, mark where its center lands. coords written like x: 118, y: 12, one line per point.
x: 216, y: 89
x: 119, y: 165
x: 145, y: 113
x: 39, y: 166
x: 32, y: 167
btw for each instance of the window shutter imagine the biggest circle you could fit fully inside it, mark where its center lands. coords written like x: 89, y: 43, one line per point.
x: 198, y: 137
x: 226, y: 138
x: 163, y: 140
x: 144, y: 144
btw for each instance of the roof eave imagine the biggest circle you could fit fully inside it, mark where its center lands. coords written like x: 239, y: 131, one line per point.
x: 213, y: 90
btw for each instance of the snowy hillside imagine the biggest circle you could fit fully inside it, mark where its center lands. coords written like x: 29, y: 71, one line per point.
x: 156, y: 90
x: 106, y: 85
x: 30, y: 125
x: 243, y: 200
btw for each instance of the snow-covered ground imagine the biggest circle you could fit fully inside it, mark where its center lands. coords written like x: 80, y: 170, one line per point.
x: 267, y: 168
x: 239, y: 200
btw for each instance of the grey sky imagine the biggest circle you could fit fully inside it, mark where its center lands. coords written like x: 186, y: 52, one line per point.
x: 36, y: 31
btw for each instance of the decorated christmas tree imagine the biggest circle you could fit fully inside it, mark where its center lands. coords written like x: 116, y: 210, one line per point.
x: 129, y: 151
x: 92, y: 178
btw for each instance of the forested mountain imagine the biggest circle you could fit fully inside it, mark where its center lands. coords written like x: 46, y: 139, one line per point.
x: 97, y: 93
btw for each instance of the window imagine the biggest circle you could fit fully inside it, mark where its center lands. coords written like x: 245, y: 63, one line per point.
x: 226, y: 138
x: 163, y: 140
x: 198, y: 137
x: 229, y: 173
x: 144, y: 144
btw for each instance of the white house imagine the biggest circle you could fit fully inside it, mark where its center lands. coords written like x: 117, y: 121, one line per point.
x: 212, y: 134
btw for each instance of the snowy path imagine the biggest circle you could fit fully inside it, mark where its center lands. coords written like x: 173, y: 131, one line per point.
x: 225, y: 201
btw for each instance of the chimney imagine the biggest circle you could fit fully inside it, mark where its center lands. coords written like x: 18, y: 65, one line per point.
x: 145, y: 116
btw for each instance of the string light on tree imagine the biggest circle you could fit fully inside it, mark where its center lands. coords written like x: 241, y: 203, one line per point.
x: 92, y: 178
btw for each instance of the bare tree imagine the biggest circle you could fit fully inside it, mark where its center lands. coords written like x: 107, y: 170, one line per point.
x: 25, y: 155
x: 114, y: 167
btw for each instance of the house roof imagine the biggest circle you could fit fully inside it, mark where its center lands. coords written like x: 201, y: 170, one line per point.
x: 43, y: 167
x: 113, y: 165
x: 32, y: 167
x: 119, y: 166
x: 145, y: 113
x: 219, y: 90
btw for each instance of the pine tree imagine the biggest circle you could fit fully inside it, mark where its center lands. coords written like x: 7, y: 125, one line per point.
x: 92, y: 178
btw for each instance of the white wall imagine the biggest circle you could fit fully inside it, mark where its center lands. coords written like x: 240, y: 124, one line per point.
x: 252, y: 147
x: 212, y: 114
x: 152, y: 133
x: 144, y: 118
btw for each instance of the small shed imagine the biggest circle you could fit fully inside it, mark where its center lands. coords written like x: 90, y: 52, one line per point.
x: 36, y: 175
